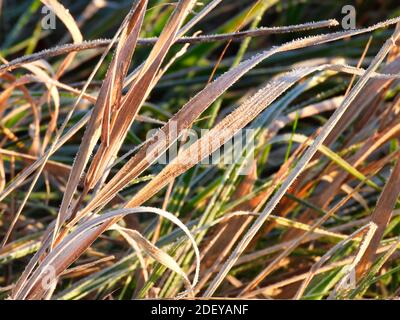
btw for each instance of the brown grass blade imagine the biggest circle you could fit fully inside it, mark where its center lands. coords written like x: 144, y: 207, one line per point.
x: 381, y: 217
x: 223, y: 131
x: 303, y: 162
x: 124, y: 115
x: 157, y: 254
x: 193, y: 109
x: 107, y: 96
x: 69, y: 249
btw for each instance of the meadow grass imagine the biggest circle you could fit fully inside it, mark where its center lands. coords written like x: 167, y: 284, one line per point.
x: 94, y: 204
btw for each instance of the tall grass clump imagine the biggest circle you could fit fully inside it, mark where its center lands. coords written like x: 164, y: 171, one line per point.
x: 96, y: 205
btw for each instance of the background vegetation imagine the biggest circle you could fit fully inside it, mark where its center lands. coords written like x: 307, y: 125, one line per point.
x: 318, y: 214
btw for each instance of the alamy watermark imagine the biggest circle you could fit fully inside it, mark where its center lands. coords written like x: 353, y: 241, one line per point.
x: 206, y: 147
x: 49, y: 278
x: 349, y: 18
x: 49, y: 20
